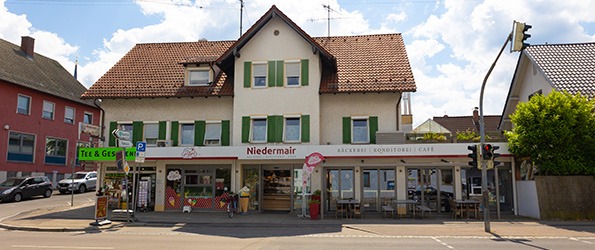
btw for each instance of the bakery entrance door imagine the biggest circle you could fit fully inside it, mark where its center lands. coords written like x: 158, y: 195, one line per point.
x: 276, y: 189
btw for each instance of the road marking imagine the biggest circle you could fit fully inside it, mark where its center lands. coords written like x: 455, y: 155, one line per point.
x: 58, y: 247
x: 443, y: 243
x: 579, y: 240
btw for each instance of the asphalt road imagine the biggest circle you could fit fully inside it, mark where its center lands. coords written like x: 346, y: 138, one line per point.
x: 246, y: 237
x: 260, y: 238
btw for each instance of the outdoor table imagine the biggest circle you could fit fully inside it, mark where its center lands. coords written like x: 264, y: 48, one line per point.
x: 467, y: 204
x: 349, y: 204
x: 407, y: 204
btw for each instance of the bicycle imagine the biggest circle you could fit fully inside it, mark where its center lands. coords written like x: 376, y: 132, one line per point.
x: 232, y: 204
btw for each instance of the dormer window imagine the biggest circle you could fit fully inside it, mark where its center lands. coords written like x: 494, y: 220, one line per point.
x: 198, y: 76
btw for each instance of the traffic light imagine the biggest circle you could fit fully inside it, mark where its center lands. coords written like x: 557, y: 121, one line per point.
x: 487, y: 151
x: 519, y: 36
x: 474, y: 155
x: 495, y: 155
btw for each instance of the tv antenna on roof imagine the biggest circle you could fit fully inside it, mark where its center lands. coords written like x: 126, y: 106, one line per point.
x: 328, y: 19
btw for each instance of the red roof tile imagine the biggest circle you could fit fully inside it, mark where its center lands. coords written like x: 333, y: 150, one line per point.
x: 368, y: 63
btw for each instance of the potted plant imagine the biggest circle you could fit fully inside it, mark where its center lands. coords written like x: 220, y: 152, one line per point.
x: 316, y: 195
x: 314, y: 209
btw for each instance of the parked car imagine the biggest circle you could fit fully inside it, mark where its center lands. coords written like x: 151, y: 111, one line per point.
x: 19, y: 188
x: 79, y: 182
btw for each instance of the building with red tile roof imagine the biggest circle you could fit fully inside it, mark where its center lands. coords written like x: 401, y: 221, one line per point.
x: 229, y: 114
x: 41, y: 111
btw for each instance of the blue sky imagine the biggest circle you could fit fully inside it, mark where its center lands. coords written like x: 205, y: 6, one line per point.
x: 451, y: 44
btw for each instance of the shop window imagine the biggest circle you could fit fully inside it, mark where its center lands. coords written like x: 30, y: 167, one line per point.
x: 55, y: 151
x: 20, y: 147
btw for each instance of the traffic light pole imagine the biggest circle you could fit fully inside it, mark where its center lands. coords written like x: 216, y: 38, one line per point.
x: 484, y: 171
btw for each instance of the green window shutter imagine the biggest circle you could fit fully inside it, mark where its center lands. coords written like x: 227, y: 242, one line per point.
x: 137, y: 132
x: 175, y: 128
x: 305, y: 128
x: 162, y: 128
x: 279, y: 128
x: 304, y: 78
x: 280, y: 75
x: 347, y: 130
x: 199, y: 133
x: 271, y: 74
x: 271, y: 128
x: 373, y: 123
x: 112, y: 140
x: 245, y: 129
x: 247, y: 74
x: 225, y: 132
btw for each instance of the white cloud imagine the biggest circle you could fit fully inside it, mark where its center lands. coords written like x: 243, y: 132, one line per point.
x: 397, y: 17
x: 450, y: 49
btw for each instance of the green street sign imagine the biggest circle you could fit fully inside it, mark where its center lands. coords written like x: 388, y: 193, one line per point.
x: 104, y: 154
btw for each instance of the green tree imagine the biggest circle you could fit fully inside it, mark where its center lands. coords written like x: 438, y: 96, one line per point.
x: 557, y: 132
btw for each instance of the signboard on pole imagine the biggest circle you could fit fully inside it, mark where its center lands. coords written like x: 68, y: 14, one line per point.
x: 101, y: 208
x: 141, y: 147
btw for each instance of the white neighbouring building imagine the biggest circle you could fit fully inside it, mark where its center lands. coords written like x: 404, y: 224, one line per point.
x: 229, y: 114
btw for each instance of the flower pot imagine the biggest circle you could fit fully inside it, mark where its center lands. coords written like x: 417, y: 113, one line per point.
x: 314, y: 210
x: 316, y: 197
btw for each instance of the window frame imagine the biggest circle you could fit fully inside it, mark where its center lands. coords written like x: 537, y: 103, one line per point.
x: 252, y: 131
x: 189, y: 71
x: 298, y: 64
x: 264, y: 76
x: 52, y: 113
x: 56, y: 151
x: 151, y: 141
x: 206, y: 140
x: 73, y: 115
x: 28, y: 110
x: 181, y: 133
x: 360, y: 118
x: 21, y: 151
x: 299, y: 128
x: 85, y: 117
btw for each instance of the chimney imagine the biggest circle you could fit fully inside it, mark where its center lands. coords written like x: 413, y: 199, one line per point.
x: 476, y: 115
x: 27, y: 43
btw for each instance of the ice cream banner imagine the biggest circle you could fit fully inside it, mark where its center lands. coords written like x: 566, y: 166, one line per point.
x: 311, y: 162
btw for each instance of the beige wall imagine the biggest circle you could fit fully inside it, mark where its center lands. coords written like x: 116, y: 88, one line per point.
x: 335, y: 107
x: 533, y: 81
x: 266, y: 46
x: 170, y: 109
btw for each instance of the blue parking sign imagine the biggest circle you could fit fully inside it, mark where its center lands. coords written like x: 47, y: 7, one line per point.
x: 141, y: 146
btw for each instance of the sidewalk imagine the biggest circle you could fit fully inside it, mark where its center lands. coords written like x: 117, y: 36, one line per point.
x: 78, y: 218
